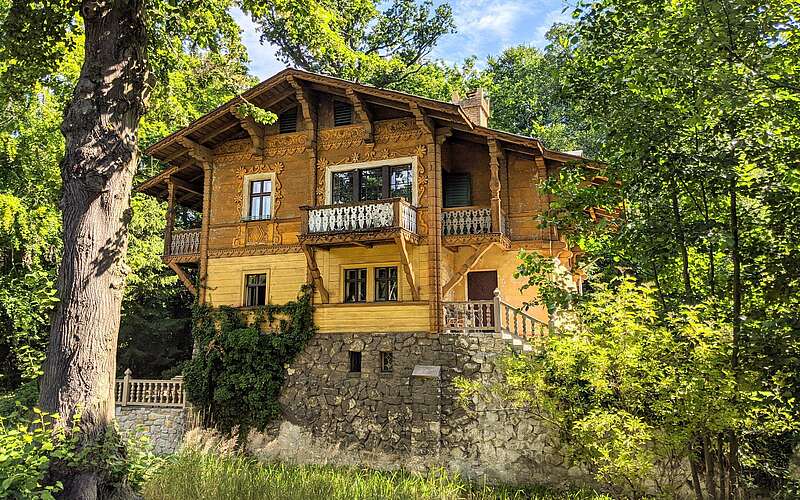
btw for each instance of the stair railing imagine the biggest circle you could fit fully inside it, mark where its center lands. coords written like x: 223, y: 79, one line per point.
x: 510, y: 319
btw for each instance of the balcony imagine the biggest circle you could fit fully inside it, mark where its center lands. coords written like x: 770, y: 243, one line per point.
x: 362, y: 223
x: 183, y: 245
x: 465, y: 226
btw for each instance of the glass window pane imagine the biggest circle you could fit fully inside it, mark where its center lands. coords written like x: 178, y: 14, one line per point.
x: 385, y: 283
x: 267, y: 185
x: 342, y: 187
x: 255, y: 187
x: 266, y: 207
x: 370, y: 184
x: 255, y: 207
x: 401, y: 182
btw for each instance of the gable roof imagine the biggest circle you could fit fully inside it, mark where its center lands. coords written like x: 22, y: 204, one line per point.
x: 220, y: 125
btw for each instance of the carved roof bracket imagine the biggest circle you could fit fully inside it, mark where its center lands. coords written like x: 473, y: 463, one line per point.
x: 442, y: 134
x: 304, y: 99
x: 422, y: 119
x: 363, y: 113
x: 197, y: 151
x: 254, y: 130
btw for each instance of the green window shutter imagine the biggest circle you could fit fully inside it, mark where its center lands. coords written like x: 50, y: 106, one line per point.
x: 342, y: 113
x: 287, y: 121
x: 457, y: 190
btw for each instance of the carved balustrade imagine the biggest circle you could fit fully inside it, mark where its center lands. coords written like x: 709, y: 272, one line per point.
x: 149, y: 392
x: 185, y: 242
x: 380, y: 216
x: 466, y: 221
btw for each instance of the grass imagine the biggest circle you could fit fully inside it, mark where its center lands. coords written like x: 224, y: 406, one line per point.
x: 200, y: 476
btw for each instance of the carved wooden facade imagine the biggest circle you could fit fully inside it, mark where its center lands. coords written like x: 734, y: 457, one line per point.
x: 213, y: 163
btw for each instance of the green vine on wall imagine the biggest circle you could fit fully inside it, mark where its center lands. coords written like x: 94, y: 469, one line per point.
x: 240, y: 360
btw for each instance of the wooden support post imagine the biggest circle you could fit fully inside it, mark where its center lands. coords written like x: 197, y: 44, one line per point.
x: 183, y: 277
x: 468, y: 265
x: 496, y: 312
x: 315, y: 274
x: 407, y: 266
x: 494, y: 185
x: 205, y: 229
x: 170, y: 217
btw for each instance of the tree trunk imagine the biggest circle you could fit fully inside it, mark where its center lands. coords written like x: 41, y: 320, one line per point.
x: 100, y: 126
x: 679, y: 232
x: 733, y: 441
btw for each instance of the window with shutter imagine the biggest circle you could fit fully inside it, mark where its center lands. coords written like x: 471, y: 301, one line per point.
x: 342, y: 113
x: 457, y: 190
x: 287, y: 121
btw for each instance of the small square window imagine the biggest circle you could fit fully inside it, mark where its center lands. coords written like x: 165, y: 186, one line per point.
x: 255, y: 290
x: 287, y: 121
x: 355, y: 361
x: 385, y: 284
x: 387, y: 362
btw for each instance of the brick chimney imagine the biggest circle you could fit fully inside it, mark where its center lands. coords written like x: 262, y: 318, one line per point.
x: 475, y: 106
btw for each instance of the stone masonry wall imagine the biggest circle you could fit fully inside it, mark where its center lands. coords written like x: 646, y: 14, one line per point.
x: 406, y: 418
x: 164, y: 426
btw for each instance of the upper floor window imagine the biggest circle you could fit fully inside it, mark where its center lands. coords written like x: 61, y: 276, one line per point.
x: 255, y: 290
x: 385, y: 284
x: 260, y: 199
x: 457, y: 190
x: 342, y: 113
x: 355, y: 285
x: 389, y: 181
x: 287, y: 121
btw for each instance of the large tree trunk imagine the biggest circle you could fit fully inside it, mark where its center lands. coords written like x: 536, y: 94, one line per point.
x: 100, y: 127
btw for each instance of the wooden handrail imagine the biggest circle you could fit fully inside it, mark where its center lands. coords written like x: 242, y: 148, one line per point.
x: 149, y: 392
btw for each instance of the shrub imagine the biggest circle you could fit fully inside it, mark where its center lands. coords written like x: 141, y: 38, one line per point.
x: 26, y: 450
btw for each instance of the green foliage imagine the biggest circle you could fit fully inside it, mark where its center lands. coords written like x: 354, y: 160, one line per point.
x: 31, y: 445
x: 551, y: 281
x: 258, y: 114
x: 355, y: 40
x: 238, y: 369
x: 27, y: 451
x: 214, y: 477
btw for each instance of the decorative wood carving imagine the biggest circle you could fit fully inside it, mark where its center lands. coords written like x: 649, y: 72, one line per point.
x: 341, y: 137
x: 253, y: 129
x: 362, y: 111
x: 331, y: 239
x: 197, y: 151
x: 398, y: 130
x: 254, y: 250
x: 277, y: 191
x: 286, y: 144
x: 468, y: 240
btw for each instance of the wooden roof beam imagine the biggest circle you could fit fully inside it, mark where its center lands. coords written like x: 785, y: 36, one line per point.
x: 363, y: 113
x: 197, y: 151
x: 256, y: 132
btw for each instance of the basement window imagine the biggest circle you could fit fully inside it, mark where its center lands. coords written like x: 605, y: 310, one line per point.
x: 342, y: 113
x: 387, y: 362
x: 355, y: 361
x: 287, y: 121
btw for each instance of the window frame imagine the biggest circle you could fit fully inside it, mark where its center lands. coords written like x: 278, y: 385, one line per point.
x: 246, y: 194
x: 382, y: 358
x: 246, y: 286
x: 386, y: 165
x: 375, y: 281
x: 365, y: 283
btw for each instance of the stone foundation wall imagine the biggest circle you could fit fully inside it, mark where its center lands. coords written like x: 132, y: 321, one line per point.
x: 407, y: 418
x: 164, y: 426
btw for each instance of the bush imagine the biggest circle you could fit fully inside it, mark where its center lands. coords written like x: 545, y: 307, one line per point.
x: 26, y: 450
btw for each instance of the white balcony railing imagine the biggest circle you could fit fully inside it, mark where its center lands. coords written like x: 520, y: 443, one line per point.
x: 359, y: 217
x: 185, y: 242
x: 464, y: 221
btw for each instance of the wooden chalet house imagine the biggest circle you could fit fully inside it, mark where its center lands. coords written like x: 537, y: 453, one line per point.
x: 406, y: 212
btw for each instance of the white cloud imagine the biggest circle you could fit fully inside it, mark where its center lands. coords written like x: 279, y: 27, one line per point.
x: 263, y: 61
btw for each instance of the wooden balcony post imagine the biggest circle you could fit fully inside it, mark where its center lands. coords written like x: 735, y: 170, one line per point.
x: 396, y: 212
x: 126, y: 387
x: 494, y: 184
x: 170, y: 217
x: 496, y: 311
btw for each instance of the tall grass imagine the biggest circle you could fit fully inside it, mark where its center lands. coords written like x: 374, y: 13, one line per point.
x: 199, y: 476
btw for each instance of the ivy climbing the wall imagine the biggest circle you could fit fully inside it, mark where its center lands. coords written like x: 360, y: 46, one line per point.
x: 240, y: 360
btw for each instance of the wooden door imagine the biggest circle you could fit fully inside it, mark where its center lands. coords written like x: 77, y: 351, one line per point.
x: 481, y: 285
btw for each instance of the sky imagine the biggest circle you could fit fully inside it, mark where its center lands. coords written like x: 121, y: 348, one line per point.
x: 485, y: 27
